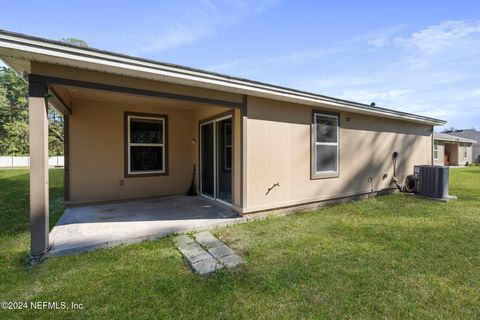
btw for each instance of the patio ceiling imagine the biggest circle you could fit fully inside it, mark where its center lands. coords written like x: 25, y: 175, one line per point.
x: 69, y: 94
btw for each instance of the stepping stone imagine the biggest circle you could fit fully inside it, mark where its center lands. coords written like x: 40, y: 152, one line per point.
x: 183, y: 240
x: 231, y: 260
x: 206, y: 239
x: 190, y: 248
x: 206, y: 266
x: 197, y: 256
x: 202, y: 261
x: 221, y: 251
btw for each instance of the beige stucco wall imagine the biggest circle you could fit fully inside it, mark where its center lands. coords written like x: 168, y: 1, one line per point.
x: 441, y: 154
x: 278, y: 150
x: 461, y: 160
x: 96, y: 137
x: 97, y: 154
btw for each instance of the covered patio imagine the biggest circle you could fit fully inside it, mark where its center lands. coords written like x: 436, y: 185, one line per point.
x: 134, y: 129
x: 99, y: 170
x: 130, y: 138
x: 89, y: 227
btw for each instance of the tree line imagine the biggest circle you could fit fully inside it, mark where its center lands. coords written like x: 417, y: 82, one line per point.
x: 14, y: 118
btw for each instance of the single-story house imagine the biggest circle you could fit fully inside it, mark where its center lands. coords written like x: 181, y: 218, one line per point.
x: 471, y: 134
x: 451, y: 150
x: 136, y: 128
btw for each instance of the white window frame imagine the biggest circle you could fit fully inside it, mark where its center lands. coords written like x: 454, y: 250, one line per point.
x: 465, y: 151
x: 325, y: 173
x: 129, y: 144
x: 435, y: 151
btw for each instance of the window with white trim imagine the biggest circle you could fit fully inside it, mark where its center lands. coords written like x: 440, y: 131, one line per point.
x: 146, y: 144
x: 325, y: 145
x: 465, y: 152
x: 435, y: 151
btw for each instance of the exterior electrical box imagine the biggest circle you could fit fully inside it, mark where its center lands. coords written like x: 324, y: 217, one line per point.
x: 432, y: 181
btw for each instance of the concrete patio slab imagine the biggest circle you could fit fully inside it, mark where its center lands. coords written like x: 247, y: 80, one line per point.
x: 89, y: 227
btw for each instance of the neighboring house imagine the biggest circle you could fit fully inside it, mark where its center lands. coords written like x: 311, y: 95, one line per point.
x: 450, y: 150
x: 135, y: 128
x: 471, y: 134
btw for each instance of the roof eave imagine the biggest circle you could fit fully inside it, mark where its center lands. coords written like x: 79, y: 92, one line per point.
x: 38, y: 48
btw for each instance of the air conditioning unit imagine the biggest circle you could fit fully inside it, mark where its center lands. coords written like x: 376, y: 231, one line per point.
x: 432, y: 182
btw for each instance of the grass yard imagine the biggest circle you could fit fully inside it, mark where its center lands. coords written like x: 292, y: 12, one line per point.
x: 390, y: 257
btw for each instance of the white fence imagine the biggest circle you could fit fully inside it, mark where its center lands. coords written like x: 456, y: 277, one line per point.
x: 6, y: 162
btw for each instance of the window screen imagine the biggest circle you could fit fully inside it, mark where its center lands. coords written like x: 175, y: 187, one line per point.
x: 325, y: 160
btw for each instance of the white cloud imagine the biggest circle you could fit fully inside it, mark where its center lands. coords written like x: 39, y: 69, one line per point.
x: 434, y: 71
x: 448, y: 40
x: 382, y: 38
x: 379, y: 41
x: 180, y: 25
x: 250, y: 66
x: 438, y: 38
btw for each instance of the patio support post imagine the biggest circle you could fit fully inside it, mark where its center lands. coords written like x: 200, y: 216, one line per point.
x: 39, y: 206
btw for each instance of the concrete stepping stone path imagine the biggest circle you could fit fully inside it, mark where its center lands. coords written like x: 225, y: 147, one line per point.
x: 205, y: 253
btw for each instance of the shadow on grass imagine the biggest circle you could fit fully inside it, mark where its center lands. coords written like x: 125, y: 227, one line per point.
x: 14, y: 200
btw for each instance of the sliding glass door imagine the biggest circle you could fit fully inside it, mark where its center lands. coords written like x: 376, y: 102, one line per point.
x: 216, y: 154
x: 207, y: 160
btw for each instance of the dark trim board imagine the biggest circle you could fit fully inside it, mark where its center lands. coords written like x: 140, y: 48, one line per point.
x: 65, y: 109
x: 126, y: 114
x: 129, y: 90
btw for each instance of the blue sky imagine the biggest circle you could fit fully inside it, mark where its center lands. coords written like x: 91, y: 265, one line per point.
x: 414, y: 56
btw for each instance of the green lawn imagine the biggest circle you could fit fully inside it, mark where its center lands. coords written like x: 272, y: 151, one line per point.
x: 389, y: 257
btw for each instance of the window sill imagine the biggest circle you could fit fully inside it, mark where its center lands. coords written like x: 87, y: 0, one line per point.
x: 324, y: 176
x: 141, y: 175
